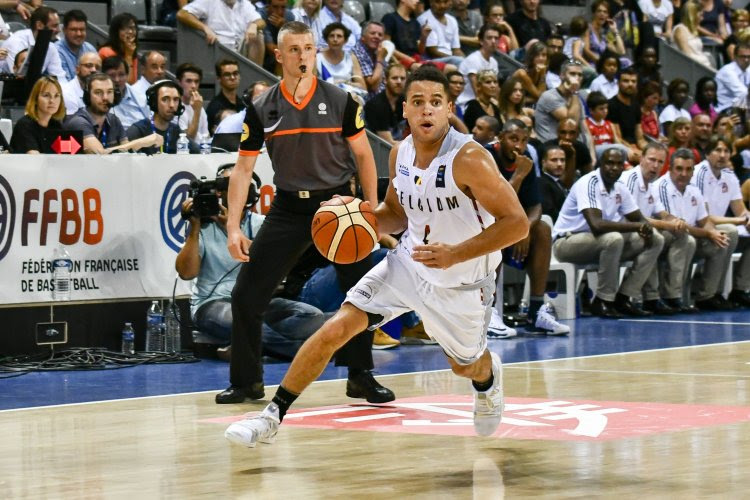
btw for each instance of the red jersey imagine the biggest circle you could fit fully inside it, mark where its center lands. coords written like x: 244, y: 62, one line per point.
x: 601, y: 133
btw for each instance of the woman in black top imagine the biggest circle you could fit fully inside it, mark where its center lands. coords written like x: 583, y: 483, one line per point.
x: 483, y: 105
x: 45, y: 110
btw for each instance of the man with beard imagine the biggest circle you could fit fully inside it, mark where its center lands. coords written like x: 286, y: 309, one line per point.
x: 625, y: 113
x: 384, y: 112
x: 72, y: 90
x: 164, y: 98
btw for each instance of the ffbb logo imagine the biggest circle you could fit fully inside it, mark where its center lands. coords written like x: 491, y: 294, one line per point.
x: 7, y: 216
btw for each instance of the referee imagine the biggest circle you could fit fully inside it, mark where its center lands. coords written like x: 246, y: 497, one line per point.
x: 311, y: 129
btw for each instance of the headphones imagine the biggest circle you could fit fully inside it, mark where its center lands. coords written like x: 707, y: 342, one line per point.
x: 87, y: 89
x: 152, y: 95
x: 253, y: 193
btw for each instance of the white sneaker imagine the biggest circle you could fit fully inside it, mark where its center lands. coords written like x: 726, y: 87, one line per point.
x: 488, y: 405
x: 262, y: 427
x: 546, y: 322
x: 497, y: 329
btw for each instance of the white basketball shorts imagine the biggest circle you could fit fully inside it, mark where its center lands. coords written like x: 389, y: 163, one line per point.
x: 456, y: 318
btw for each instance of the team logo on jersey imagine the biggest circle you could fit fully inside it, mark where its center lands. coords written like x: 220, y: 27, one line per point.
x: 365, y: 291
x: 403, y: 170
x: 245, y: 132
x: 650, y: 199
x: 417, y: 180
x: 693, y: 201
x: 724, y: 187
x: 618, y: 199
x: 322, y: 109
x: 440, y: 178
x: 360, y: 121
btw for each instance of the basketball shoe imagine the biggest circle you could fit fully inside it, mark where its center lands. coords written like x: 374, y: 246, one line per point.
x: 488, y: 405
x: 497, y: 328
x: 382, y: 340
x: 262, y: 427
x: 547, y: 323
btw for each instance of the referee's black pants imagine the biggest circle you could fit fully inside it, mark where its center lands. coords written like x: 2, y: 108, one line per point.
x: 280, y: 242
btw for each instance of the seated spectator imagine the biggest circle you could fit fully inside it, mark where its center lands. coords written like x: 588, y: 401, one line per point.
x: 686, y: 38
x: 275, y: 14
x: 666, y: 282
x: 660, y: 14
x: 131, y: 108
x: 647, y: 66
x: 308, y: 13
x: 164, y: 99
x: 705, y: 98
x: 153, y: 66
x: 533, y: 75
x: 203, y: 257
x: 228, y: 72
x: 700, y: 135
x: 103, y: 132
x: 194, y: 120
x: 559, y: 103
x: 456, y: 84
x: 608, y: 66
x: 713, y: 23
x: 72, y: 90
x: 477, y: 61
x: 679, y: 137
x: 602, y: 34
x: 600, y: 223
x: 677, y: 197
x: 123, y: 43
x: 167, y: 13
x: 740, y: 19
x: 43, y: 18
x: 578, y: 160
x: 236, y: 25
x: 469, y: 21
x: 232, y: 122
x: 677, y: 94
x: 484, y: 104
x: 511, y: 103
x: 733, y: 78
x: 604, y: 135
x: 19, y: 61
x: 485, y: 130
x: 335, y: 65
x: 718, y: 184
x: 649, y: 96
x: 531, y: 254
x: 551, y: 189
x: 73, y: 44
x: 528, y: 24
x: 407, y: 35
x: 332, y: 12
x: 384, y: 113
x: 370, y: 53
x: 442, y: 43
x: 495, y: 14
x: 555, y: 44
x: 625, y: 113
x: 45, y: 110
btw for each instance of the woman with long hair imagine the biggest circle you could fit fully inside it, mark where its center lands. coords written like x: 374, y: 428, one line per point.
x: 533, y: 75
x: 511, y: 101
x: 484, y: 104
x: 602, y: 33
x: 45, y: 110
x: 686, y: 37
x: 123, y: 42
x: 705, y: 98
x: 334, y: 64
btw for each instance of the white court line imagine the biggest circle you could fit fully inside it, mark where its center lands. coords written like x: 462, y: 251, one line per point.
x: 685, y: 322
x: 30, y: 408
x: 625, y: 372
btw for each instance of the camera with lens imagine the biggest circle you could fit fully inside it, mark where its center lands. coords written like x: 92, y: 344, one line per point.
x: 204, y: 193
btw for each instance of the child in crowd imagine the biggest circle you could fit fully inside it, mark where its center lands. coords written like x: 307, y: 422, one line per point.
x: 677, y: 94
x: 608, y: 66
x: 603, y: 133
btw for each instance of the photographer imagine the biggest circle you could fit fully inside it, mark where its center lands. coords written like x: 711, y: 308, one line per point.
x: 287, y: 324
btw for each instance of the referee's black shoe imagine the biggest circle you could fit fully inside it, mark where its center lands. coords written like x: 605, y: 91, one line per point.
x: 363, y: 385
x: 234, y: 394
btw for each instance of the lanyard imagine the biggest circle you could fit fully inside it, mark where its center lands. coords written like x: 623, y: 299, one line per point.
x: 105, y: 133
x: 166, y: 139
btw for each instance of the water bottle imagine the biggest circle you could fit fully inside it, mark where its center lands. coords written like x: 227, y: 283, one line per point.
x: 205, y: 143
x: 155, y: 328
x: 183, y: 144
x: 172, y: 321
x: 128, y: 339
x: 62, y: 266
x: 523, y: 308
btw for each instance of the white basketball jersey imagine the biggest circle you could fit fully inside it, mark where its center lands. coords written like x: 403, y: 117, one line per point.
x: 439, y: 212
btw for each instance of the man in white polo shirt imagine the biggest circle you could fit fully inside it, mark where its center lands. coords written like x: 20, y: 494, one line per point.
x: 720, y: 187
x: 678, y: 246
x: 477, y: 61
x: 601, y: 223
x: 677, y: 197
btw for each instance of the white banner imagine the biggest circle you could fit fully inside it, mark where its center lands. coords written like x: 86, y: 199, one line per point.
x: 118, y: 216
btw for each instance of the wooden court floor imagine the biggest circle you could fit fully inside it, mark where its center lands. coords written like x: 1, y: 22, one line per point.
x: 673, y: 423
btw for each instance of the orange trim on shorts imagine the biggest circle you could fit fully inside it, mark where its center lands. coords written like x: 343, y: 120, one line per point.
x: 289, y: 97
x: 356, y: 136
x: 249, y: 153
x: 295, y: 131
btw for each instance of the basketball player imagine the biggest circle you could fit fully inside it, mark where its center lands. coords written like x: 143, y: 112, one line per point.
x: 315, y: 136
x: 458, y: 213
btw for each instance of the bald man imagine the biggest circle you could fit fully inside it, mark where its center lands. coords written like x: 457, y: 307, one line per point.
x: 72, y: 90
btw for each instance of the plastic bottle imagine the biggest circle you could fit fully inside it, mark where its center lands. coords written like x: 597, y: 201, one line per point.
x: 205, y: 144
x: 183, y: 144
x: 155, y: 328
x: 523, y: 308
x: 172, y: 315
x: 128, y: 339
x: 62, y: 265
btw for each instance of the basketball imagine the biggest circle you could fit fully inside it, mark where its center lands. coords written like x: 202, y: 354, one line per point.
x: 345, y: 230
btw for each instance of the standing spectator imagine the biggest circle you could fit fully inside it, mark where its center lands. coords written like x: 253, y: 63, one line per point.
x: 442, y: 43
x: 384, y: 113
x: 700, y: 136
x: 705, y: 98
x: 577, y: 155
x: 45, y: 110
x: 562, y: 102
x: 228, y: 72
x: 153, y: 68
x: 43, y: 18
x: 407, y: 35
x: 533, y: 74
x: 164, y: 99
x: 485, y: 130
x: 308, y: 13
x: 495, y: 14
x: 659, y: 14
x: 332, y: 12
x: 602, y: 34
x: 528, y: 23
x: 371, y: 56
x: 551, y: 189
x: 131, y: 108
x: 733, y: 78
x: 484, y: 104
x: 649, y: 96
x: 601, y: 223
x: 275, y: 14
x: 740, y: 20
x: 72, y: 90
x: 477, y: 61
x: 123, y: 43
x: 73, y: 44
x: 335, y: 65
x: 625, y: 113
x: 677, y: 95
x: 234, y: 23
x: 686, y: 37
x: 713, y: 23
x: 512, y: 99
x: 194, y: 120
x: 469, y: 22
x: 608, y: 66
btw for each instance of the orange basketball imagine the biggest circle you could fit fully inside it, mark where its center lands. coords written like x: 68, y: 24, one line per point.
x: 345, y: 230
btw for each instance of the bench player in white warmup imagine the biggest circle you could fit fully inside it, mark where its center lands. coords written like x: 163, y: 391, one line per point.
x: 458, y: 213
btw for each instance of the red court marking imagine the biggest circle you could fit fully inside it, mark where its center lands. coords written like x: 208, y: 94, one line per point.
x: 524, y: 418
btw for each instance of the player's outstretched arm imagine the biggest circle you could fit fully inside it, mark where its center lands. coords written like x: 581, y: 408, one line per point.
x: 390, y: 213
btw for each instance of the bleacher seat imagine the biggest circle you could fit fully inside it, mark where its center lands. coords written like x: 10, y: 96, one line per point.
x: 135, y: 7
x: 376, y: 10
x: 16, y: 26
x: 355, y: 9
